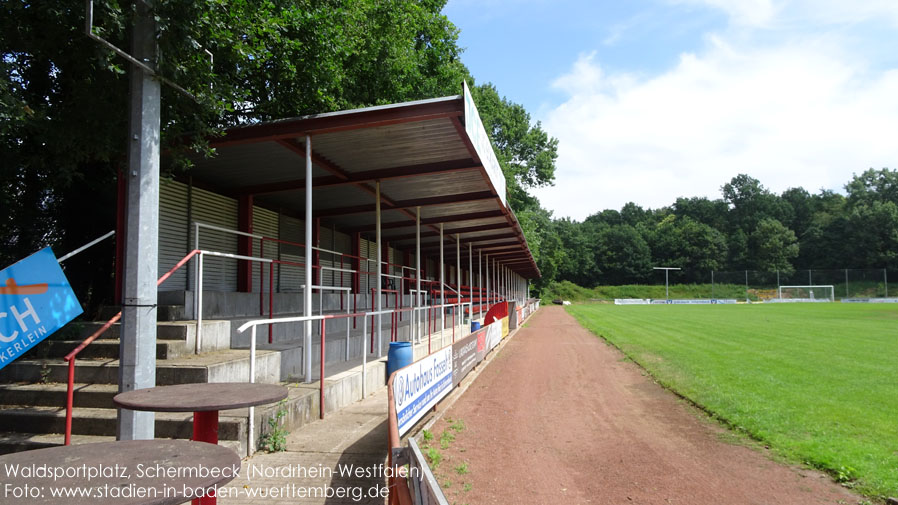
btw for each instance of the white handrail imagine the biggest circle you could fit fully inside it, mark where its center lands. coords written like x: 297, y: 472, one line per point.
x: 198, y: 294
x: 198, y: 225
x: 85, y: 246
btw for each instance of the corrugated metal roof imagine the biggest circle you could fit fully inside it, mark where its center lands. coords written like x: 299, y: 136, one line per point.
x: 419, y: 151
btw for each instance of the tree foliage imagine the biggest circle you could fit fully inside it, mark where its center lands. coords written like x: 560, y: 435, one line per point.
x: 749, y: 227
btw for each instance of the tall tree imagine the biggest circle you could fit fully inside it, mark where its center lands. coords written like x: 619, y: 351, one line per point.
x: 63, y: 96
x: 623, y: 255
x: 525, y: 151
x: 773, y: 246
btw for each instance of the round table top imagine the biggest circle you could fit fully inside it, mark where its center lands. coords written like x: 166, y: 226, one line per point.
x: 134, y: 472
x: 200, y: 397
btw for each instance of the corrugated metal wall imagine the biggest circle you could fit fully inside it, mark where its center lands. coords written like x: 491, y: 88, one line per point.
x: 219, y: 274
x: 265, y: 223
x: 173, y: 233
x: 292, y: 277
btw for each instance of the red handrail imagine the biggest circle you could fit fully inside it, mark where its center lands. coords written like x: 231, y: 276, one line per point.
x: 70, y: 357
x: 399, y: 491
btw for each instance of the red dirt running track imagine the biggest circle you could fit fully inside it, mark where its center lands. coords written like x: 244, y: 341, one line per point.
x: 560, y: 417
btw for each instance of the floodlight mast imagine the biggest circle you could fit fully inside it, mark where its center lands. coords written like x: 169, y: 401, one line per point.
x: 666, y: 272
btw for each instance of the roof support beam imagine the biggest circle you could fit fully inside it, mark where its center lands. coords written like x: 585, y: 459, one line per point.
x: 344, y: 177
x: 453, y: 218
x: 469, y: 229
x: 480, y: 242
x: 402, y: 205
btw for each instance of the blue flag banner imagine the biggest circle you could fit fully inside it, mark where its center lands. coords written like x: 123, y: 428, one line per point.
x: 35, y: 301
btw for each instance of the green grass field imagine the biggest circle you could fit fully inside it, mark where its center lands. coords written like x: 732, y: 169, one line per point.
x: 818, y: 383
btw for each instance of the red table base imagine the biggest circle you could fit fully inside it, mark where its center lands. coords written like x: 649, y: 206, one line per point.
x: 205, y: 429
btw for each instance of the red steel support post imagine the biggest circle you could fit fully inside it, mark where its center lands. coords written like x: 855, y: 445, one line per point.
x: 321, y: 382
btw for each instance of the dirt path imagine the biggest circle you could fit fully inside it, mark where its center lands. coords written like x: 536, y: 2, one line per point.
x: 560, y: 417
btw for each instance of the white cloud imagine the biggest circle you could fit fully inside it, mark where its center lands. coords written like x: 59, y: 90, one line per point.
x: 768, y: 13
x: 799, y: 114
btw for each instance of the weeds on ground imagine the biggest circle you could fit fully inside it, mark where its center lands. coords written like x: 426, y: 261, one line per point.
x: 434, y: 457
x: 276, y: 438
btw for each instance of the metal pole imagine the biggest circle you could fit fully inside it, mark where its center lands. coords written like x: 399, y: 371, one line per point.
x: 417, y: 262
x: 480, y: 283
x: 198, y: 339
x: 364, y: 359
x: 307, y: 292
x: 666, y: 286
x: 442, y: 289
x: 458, y: 282
x: 379, y: 268
x: 846, y: 284
x: 486, y: 265
x: 779, y: 290
x: 137, y: 347
x: 471, y: 280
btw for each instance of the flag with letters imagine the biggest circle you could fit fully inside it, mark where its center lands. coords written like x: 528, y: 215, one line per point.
x: 35, y: 301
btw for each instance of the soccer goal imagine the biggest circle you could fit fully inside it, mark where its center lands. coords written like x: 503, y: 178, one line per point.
x: 817, y: 293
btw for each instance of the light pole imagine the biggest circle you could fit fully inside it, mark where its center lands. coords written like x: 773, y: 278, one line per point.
x: 666, y: 286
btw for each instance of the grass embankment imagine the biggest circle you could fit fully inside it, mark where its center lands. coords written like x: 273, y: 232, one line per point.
x: 567, y: 290
x: 815, y: 382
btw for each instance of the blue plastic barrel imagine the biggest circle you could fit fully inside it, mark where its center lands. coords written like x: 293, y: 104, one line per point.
x: 400, y: 355
x: 475, y: 325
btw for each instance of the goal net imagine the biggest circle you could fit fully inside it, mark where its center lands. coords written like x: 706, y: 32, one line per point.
x: 817, y: 293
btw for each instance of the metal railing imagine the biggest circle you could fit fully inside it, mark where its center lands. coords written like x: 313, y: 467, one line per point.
x: 252, y: 325
x: 70, y: 357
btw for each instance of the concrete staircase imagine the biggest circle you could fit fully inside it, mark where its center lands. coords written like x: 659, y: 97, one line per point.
x: 33, y: 389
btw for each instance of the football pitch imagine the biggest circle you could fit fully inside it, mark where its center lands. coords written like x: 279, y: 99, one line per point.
x: 817, y: 383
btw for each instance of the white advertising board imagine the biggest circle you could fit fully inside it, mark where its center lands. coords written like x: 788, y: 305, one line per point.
x: 481, y: 142
x: 419, y: 386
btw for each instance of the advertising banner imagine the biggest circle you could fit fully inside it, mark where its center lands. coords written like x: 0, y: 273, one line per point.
x: 481, y: 142
x: 466, y: 354
x: 493, y: 335
x: 35, y: 301
x: 419, y: 386
x: 631, y: 301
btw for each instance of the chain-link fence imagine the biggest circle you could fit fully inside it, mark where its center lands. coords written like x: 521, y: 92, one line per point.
x: 758, y: 286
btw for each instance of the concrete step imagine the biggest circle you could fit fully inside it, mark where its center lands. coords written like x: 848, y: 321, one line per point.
x: 54, y: 395
x: 163, y: 312
x: 102, y: 422
x: 217, y: 366
x: 216, y: 333
x: 109, y: 348
x: 342, y: 387
x: 17, y: 442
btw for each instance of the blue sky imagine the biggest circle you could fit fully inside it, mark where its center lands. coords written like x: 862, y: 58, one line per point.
x: 655, y: 99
